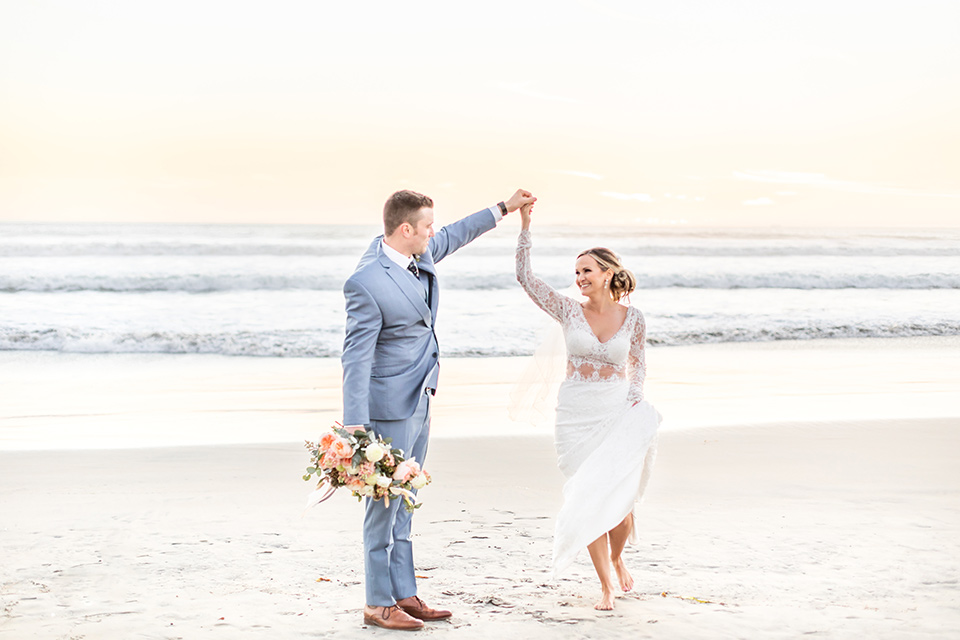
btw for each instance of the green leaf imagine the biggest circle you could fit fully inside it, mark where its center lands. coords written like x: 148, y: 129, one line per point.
x: 306, y: 477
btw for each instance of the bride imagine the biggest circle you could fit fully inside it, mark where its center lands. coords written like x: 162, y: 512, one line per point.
x: 605, y: 431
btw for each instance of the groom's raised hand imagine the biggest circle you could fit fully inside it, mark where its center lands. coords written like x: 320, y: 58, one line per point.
x: 517, y: 200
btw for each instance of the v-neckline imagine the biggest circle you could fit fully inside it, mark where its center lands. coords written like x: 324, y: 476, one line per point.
x: 593, y: 333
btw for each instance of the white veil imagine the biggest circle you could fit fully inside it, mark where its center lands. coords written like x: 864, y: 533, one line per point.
x: 534, y: 398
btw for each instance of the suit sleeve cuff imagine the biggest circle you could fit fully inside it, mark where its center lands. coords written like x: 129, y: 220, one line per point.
x: 495, y: 210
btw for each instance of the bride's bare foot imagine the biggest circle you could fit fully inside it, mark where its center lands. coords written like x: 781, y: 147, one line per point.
x: 606, y: 601
x: 626, y: 580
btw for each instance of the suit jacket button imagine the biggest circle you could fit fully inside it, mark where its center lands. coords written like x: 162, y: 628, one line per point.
x: 434, y: 354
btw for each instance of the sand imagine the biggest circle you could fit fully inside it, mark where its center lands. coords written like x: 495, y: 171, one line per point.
x: 844, y: 526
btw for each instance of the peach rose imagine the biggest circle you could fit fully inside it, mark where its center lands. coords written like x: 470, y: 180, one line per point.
x: 406, y: 469
x: 328, y: 461
x: 341, y: 448
x: 326, y: 441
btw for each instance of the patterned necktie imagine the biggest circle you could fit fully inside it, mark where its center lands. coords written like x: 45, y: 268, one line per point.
x: 412, y: 268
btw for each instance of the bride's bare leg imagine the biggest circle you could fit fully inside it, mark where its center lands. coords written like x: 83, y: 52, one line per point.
x: 618, y: 540
x: 600, y: 554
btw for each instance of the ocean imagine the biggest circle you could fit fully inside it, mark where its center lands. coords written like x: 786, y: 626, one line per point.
x: 275, y: 290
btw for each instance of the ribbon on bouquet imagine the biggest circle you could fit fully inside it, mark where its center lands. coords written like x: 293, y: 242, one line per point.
x: 398, y: 491
x: 318, y: 496
x: 321, y: 494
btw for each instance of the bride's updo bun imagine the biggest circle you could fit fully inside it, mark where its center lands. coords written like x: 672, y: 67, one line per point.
x: 623, y: 282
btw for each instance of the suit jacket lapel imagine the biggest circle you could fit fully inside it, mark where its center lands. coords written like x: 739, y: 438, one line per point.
x: 410, y: 287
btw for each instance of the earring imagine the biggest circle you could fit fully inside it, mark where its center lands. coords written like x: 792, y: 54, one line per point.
x: 606, y: 283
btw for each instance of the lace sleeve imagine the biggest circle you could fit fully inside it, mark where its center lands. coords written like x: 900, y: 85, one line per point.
x: 637, y: 359
x: 539, y: 291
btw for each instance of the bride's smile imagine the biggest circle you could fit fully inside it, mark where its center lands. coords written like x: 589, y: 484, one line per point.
x: 589, y: 276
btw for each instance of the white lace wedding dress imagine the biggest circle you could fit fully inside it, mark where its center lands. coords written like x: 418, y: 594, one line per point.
x: 605, y: 431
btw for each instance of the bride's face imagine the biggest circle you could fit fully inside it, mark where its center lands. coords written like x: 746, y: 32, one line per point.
x: 590, y: 277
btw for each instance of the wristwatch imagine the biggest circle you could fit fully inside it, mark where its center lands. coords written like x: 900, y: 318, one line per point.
x: 503, y: 208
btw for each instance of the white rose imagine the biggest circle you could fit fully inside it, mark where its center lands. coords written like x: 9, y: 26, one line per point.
x: 366, y: 491
x: 418, y: 481
x: 384, y: 481
x: 374, y: 452
x: 372, y: 479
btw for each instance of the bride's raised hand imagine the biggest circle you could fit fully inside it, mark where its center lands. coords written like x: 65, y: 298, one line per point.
x: 525, y: 214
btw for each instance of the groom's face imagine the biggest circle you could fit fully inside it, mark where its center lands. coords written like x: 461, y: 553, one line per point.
x: 423, y: 230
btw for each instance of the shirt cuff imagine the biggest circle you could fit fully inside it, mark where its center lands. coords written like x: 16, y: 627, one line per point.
x: 497, y: 216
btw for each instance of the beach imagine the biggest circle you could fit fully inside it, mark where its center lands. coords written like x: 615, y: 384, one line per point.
x: 800, y: 488
x: 203, y: 206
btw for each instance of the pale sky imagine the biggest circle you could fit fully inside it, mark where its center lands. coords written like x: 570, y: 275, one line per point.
x: 727, y: 113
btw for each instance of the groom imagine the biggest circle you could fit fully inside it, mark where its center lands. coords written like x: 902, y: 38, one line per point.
x: 390, y: 369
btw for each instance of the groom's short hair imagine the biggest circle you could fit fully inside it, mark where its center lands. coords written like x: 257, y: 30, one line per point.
x: 403, y: 206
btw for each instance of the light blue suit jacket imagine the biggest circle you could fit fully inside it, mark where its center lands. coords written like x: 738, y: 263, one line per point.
x: 390, y: 352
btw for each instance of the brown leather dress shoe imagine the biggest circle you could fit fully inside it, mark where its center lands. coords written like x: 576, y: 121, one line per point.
x: 418, y: 609
x: 390, y: 618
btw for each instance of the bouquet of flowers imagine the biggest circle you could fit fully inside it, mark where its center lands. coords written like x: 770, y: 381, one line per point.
x: 364, y: 463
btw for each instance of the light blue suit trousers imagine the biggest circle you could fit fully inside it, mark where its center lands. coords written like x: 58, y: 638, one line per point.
x: 386, y: 530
